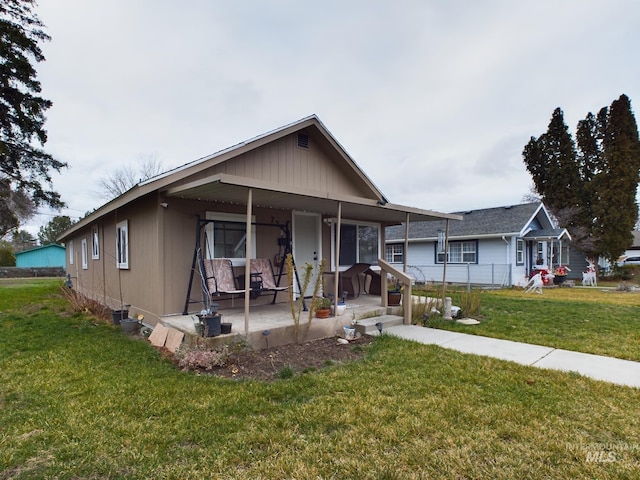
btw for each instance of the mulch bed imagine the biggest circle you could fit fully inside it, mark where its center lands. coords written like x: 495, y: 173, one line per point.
x: 288, y: 360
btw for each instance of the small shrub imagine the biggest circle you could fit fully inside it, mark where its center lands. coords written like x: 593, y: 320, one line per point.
x: 199, y: 357
x: 418, y: 310
x: 470, y: 303
x: 80, y: 303
x: 286, y: 372
x: 623, y: 287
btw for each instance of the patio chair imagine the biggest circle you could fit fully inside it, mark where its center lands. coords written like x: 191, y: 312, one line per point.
x: 352, y: 280
x: 219, y: 277
x: 263, y: 278
x: 375, y: 282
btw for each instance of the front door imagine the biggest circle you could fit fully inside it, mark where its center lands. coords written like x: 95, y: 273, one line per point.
x: 306, y: 245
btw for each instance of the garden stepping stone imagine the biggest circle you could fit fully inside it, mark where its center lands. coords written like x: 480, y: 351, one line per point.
x: 174, y: 339
x: 159, y: 335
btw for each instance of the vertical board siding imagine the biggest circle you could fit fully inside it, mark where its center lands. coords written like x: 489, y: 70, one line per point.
x: 283, y: 162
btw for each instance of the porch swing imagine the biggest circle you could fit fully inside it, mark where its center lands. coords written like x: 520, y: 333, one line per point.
x: 216, y: 274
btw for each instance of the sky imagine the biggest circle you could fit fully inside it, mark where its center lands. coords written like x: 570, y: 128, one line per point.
x: 433, y: 99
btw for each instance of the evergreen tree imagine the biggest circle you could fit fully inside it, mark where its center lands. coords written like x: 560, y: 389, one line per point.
x: 51, y: 231
x: 590, y: 190
x: 7, y: 258
x: 551, y: 160
x: 24, y: 166
x: 616, y: 211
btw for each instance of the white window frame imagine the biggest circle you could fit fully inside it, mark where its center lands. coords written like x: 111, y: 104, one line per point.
x: 519, y: 251
x: 394, y: 253
x: 95, y: 243
x: 70, y: 248
x: 85, y: 254
x: 459, y: 256
x: 357, y: 224
x: 541, y: 254
x: 122, y: 245
x: 209, y: 250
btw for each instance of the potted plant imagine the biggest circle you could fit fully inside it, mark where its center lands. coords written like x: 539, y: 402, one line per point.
x: 212, y: 321
x: 322, y: 307
x: 350, y: 330
x: 394, y: 294
x: 560, y: 275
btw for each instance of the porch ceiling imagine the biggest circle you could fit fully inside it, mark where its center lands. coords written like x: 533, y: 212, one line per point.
x: 233, y: 189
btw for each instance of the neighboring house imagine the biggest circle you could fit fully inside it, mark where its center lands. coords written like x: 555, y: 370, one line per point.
x: 52, y: 255
x: 495, y: 246
x: 634, y: 249
x: 285, y: 191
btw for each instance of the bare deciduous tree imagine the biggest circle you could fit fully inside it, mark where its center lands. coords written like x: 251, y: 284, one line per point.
x: 125, y: 178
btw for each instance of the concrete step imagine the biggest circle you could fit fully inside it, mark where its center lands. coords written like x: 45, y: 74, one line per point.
x: 367, y: 326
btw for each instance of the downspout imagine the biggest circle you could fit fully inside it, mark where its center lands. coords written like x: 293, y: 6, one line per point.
x: 510, y: 280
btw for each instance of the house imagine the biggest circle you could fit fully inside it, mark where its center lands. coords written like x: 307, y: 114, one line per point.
x: 292, y: 190
x: 491, y: 246
x: 46, y: 256
x: 634, y: 249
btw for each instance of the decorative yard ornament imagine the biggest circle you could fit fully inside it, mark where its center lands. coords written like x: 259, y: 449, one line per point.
x: 535, y: 284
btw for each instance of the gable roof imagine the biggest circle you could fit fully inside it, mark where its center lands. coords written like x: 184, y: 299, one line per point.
x: 488, y: 222
x: 49, y: 246
x: 183, y: 182
x: 311, y: 123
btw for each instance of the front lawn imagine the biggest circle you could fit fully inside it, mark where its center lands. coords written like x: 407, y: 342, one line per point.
x: 79, y: 399
x: 590, y: 320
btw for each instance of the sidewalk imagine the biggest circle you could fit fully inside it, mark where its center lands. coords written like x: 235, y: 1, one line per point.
x: 613, y: 370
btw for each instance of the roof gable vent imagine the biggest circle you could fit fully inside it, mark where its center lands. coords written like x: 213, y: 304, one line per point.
x: 303, y: 140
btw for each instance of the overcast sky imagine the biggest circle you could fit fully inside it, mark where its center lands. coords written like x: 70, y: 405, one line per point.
x: 434, y: 100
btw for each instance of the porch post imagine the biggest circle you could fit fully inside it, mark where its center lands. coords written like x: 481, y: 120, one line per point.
x: 337, y: 260
x: 247, y: 265
x: 444, y: 268
x: 406, y: 243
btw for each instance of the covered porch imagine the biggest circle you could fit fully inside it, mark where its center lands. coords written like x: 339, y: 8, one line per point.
x: 547, y: 251
x: 253, y: 319
x: 276, y: 319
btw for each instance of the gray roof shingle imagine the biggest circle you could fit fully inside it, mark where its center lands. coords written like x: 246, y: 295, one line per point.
x: 487, y: 221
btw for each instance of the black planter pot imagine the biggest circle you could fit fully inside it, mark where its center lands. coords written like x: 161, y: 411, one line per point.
x: 212, y: 325
x: 225, y: 328
x: 129, y: 325
x: 118, y: 315
x: 559, y: 279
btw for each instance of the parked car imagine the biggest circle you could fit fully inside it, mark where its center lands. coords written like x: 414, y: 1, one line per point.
x: 635, y: 260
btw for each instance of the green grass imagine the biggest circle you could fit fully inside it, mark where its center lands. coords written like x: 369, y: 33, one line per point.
x: 587, y: 320
x: 78, y: 399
